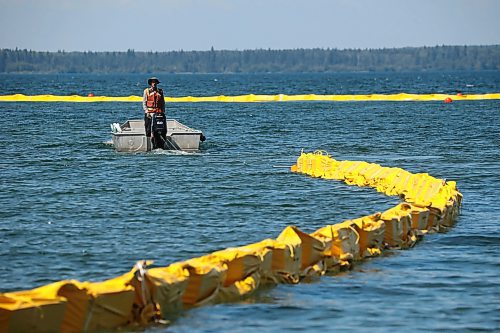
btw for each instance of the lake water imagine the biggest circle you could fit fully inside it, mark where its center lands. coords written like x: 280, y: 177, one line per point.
x: 73, y: 208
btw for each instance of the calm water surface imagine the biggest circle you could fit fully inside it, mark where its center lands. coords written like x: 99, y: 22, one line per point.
x: 73, y: 208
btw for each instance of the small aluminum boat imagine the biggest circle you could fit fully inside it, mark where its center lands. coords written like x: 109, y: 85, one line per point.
x: 131, y: 137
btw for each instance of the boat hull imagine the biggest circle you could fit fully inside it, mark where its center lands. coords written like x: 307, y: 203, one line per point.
x: 131, y: 137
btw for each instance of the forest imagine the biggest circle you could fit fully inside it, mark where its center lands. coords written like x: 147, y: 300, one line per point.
x: 253, y: 61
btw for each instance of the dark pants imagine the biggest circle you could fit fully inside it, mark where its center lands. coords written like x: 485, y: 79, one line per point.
x: 147, y: 125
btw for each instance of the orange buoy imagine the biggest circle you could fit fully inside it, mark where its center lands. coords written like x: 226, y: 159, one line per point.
x: 91, y: 94
x: 448, y: 100
x: 460, y: 94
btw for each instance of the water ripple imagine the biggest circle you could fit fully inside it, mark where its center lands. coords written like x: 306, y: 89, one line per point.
x: 71, y: 207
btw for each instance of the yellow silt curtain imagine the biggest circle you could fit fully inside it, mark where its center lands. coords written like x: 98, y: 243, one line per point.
x: 252, y: 98
x: 69, y: 306
x: 239, y: 288
x: 167, y: 286
x: 240, y: 264
x: 37, y: 310
x: 264, y: 251
x: 308, y: 251
x: 111, y: 303
x: 332, y: 263
x: 242, y: 275
x: 371, y: 230
x: 342, y: 240
x: 146, y: 295
x: 285, y: 262
x: 422, y: 190
x: 398, y: 231
x: 204, y: 280
x: 420, y: 219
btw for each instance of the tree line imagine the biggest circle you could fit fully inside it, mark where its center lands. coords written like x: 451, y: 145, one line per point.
x: 254, y: 61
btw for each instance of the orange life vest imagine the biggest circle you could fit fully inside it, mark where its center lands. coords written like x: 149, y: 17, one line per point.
x: 154, y: 101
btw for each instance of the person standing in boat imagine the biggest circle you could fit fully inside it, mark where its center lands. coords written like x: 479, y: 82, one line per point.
x: 153, y: 104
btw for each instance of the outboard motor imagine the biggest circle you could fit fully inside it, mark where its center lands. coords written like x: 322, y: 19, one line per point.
x: 159, y: 130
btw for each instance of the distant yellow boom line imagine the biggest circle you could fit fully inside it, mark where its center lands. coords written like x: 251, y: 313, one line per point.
x: 251, y: 98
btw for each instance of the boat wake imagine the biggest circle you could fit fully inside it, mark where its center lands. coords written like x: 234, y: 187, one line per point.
x: 175, y: 152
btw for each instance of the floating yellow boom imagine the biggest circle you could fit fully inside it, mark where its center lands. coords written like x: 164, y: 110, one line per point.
x: 253, y: 98
x: 144, y: 296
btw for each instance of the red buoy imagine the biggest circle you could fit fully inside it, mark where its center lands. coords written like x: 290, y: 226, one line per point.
x: 91, y: 95
x: 448, y: 100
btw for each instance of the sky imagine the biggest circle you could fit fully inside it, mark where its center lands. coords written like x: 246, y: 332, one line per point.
x: 167, y: 25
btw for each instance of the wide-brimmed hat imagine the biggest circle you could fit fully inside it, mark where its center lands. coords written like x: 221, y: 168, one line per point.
x: 154, y: 78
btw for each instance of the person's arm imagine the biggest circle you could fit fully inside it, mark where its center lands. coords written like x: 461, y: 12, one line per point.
x: 144, y: 99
